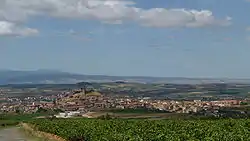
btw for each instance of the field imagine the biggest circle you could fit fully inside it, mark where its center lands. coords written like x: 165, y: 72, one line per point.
x: 140, y: 113
x: 7, y: 123
x: 146, y: 130
x: 132, y: 115
x: 173, y: 91
x: 7, y: 120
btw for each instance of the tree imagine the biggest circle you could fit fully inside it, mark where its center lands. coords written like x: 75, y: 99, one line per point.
x: 105, y: 117
x: 54, y: 102
x: 83, y: 86
x: 41, y: 110
x: 243, y: 103
x: 18, y: 111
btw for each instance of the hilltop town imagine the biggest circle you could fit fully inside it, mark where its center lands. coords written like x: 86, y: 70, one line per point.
x: 83, y: 98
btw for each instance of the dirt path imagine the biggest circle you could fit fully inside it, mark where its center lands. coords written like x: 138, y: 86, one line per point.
x: 12, y: 134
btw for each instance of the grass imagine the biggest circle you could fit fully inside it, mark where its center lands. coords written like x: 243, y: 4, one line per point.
x: 19, y: 117
x: 140, y: 114
x: 32, y: 136
x: 7, y: 123
x: 36, y: 135
x: 129, y: 113
x: 12, y: 120
x: 7, y: 120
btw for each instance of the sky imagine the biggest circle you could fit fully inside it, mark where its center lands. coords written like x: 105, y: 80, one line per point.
x: 165, y: 38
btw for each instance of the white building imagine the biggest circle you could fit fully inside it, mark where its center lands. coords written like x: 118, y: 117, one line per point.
x: 68, y: 114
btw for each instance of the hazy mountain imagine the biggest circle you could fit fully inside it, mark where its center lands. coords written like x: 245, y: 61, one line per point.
x: 57, y: 77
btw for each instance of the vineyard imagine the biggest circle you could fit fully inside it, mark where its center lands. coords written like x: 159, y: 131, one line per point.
x: 146, y: 130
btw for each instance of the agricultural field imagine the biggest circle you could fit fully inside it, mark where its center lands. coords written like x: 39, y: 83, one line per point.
x: 7, y: 120
x: 146, y: 130
x: 160, y: 90
x: 7, y: 123
x: 139, y: 114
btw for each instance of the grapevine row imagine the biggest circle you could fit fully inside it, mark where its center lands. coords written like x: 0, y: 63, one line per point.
x: 147, y: 130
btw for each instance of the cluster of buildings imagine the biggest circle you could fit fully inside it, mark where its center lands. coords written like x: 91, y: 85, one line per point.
x: 26, y: 104
x: 80, y: 103
x: 176, y: 106
x: 83, y: 103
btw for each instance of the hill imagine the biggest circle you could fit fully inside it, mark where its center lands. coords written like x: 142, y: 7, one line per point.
x: 59, y: 77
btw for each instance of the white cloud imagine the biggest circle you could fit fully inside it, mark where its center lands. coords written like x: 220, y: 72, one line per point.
x: 72, y: 32
x: 180, y: 17
x: 12, y: 29
x: 108, y: 11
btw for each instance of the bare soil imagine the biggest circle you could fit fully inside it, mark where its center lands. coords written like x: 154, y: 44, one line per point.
x: 12, y: 134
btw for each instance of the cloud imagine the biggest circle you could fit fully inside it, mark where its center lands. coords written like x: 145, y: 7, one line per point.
x: 180, y: 17
x: 11, y: 29
x: 108, y: 11
x: 72, y: 32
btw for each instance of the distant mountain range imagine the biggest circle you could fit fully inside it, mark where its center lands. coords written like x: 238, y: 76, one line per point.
x: 58, y: 77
